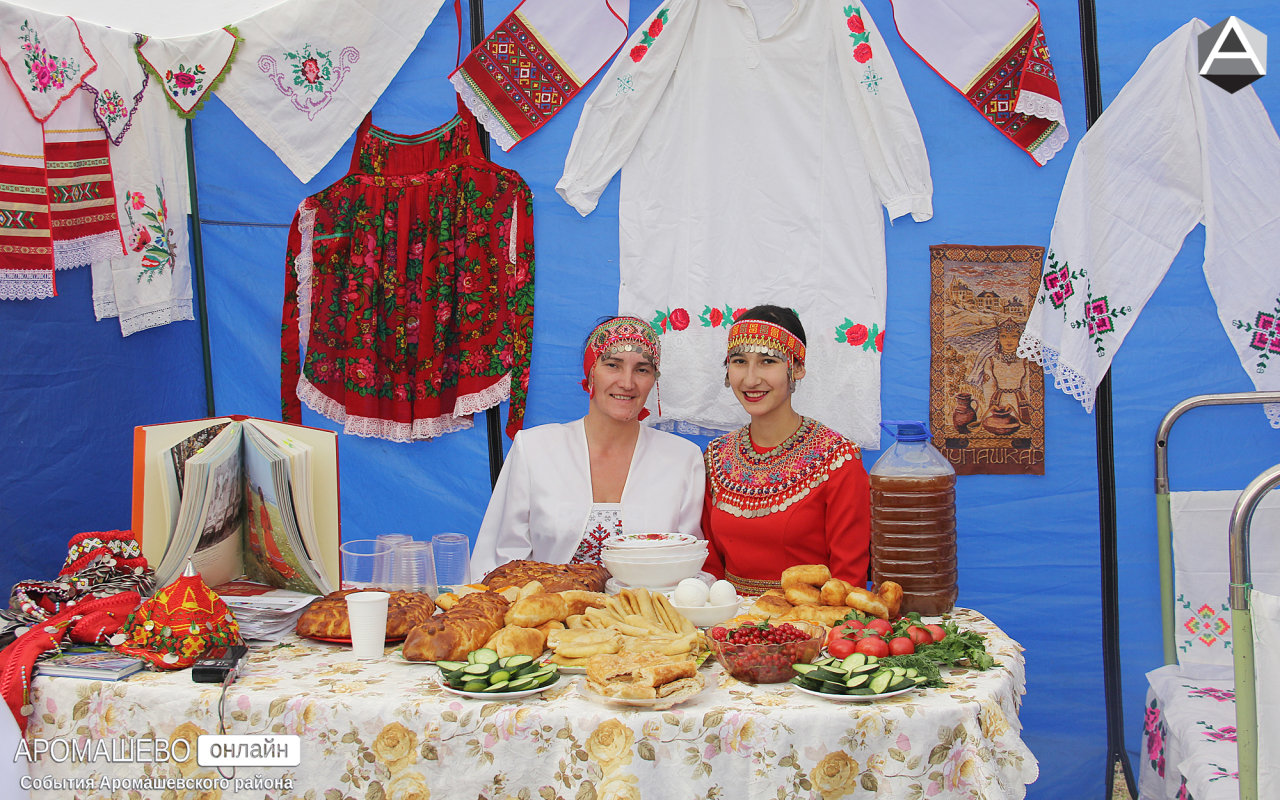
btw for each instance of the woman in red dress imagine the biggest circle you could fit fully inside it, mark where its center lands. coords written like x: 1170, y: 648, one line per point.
x: 785, y: 489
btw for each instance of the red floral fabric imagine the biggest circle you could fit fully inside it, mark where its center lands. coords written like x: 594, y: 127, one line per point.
x: 411, y: 280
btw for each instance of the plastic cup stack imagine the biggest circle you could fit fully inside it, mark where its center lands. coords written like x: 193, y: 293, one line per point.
x: 367, y: 612
x: 415, y: 569
x: 366, y: 563
x: 452, y: 552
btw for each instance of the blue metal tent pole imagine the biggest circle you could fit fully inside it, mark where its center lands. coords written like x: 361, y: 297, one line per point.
x: 197, y: 262
x: 1109, y: 561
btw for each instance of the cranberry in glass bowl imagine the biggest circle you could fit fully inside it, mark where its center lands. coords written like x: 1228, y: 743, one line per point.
x: 764, y: 653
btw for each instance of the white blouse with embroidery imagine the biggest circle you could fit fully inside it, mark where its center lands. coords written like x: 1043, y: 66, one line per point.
x: 757, y: 143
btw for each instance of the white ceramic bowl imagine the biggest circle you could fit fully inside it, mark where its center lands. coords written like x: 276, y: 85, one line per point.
x: 638, y: 541
x: 656, y: 573
x: 657, y: 553
x: 706, y: 616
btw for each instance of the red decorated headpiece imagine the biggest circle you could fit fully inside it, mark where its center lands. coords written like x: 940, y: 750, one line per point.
x: 619, y: 335
x: 178, y: 624
x: 758, y: 336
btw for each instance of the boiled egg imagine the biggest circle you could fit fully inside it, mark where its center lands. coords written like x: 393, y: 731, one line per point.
x: 690, y: 593
x: 722, y: 593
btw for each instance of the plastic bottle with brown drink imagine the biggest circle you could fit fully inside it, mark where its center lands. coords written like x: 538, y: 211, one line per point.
x: 913, y: 520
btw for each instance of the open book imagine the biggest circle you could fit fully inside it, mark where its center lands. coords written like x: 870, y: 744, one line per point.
x: 240, y: 497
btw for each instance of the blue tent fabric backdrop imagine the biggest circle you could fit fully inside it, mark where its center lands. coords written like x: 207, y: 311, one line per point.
x: 74, y: 389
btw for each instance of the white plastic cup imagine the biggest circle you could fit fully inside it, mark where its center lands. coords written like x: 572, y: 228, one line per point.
x: 366, y: 564
x: 452, y: 553
x: 368, y: 614
x: 415, y: 568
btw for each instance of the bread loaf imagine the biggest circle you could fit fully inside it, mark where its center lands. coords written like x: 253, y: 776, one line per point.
x: 326, y: 617
x: 554, y: 577
x: 453, y: 634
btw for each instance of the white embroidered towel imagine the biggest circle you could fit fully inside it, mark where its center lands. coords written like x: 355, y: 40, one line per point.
x: 151, y: 284
x: 1171, y: 151
x: 1000, y: 63
x: 189, y: 67
x: 1265, y: 609
x: 82, y: 204
x: 118, y: 82
x: 26, y: 238
x: 44, y: 55
x: 1202, y: 620
x: 312, y: 69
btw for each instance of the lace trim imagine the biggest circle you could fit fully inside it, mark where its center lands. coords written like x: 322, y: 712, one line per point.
x: 105, y: 308
x: 405, y: 432
x: 1050, y: 147
x: 689, y: 428
x: 87, y: 250
x: 1064, y: 377
x: 303, y: 265
x: 1273, y: 413
x: 1039, y: 105
x: 26, y: 284
x: 492, y: 121
x: 174, y: 312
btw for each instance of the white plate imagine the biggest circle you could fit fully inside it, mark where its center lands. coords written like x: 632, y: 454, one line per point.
x: 656, y: 704
x: 853, y: 698
x: 613, y: 585
x: 497, y: 695
x: 571, y: 670
x: 642, y: 540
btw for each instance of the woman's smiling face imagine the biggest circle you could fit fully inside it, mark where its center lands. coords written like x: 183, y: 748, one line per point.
x: 622, y: 384
x: 759, y: 381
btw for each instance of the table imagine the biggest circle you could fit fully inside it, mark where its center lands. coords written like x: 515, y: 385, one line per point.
x: 385, y: 729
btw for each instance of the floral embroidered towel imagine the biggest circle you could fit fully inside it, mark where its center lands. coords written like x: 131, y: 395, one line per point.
x: 189, y: 67
x: 1192, y: 708
x: 118, y: 82
x: 82, y: 202
x: 44, y: 55
x: 315, y: 68
x: 150, y: 285
x: 537, y: 59
x: 994, y: 53
x: 26, y: 239
x: 1192, y: 153
x: 1202, y: 620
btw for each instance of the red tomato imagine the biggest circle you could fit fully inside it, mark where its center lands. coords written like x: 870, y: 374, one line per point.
x: 938, y: 632
x: 842, y: 647
x: 919, y: 635
x: 839, y: 631
x: 872, y: 646
x: 902, y: 646
x: 881, y: 626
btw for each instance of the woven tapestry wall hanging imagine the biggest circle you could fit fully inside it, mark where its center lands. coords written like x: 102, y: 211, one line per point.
x: 986, y: 404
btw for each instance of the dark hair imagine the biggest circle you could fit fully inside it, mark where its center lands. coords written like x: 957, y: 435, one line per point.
x: 783, y: 317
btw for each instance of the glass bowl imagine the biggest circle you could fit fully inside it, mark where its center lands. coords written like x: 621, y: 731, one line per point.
x: 769, y: 663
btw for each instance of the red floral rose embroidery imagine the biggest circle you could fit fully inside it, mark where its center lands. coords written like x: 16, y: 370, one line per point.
x: 717, y: 316
x: 855, y: 24
x: 310, y: 70
x: 638, y: 52
x: 443, y: 313
x: 679, y: 319
x: 856, y: 335
x: 738, y: 313
x: 184, y: 80
x: 361, y: 373
x: 880, y: 341
x: 862, y: 53
x: 655, y: 27
x: 473, y: 310
x: 468, y: 283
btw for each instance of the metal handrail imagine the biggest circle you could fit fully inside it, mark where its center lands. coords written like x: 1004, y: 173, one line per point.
x: 1242, y: 630
x: 1164, y: 534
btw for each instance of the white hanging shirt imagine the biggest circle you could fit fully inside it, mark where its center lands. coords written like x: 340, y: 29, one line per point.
x: 542, y: 500
x: 753, y: 171
x: 1172, y: 150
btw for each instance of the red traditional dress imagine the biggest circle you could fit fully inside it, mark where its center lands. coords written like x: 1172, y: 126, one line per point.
x: 412, y: 282
x: 806, y: 501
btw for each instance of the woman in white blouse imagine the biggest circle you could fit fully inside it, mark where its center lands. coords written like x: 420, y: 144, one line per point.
x: 567, y: 487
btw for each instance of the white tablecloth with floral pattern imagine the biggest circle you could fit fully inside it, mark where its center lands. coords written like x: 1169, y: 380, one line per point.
x: 385, y: 729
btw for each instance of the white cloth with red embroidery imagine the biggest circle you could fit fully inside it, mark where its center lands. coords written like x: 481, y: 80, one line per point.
x: 311, y: 69
x: 187, y: 68
x: 758, y: 142
x: 1202, y: 620
x: 44, y: 55
x: 1189, y: 735
x: 542, y: 500
x: 117, y: 84
x: 1172, y: 150
x: 151, y: 284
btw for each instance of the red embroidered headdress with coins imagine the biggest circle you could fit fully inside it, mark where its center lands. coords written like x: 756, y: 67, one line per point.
x: 620, y: 335
x: 178, y: 625
x: 758, y: 336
